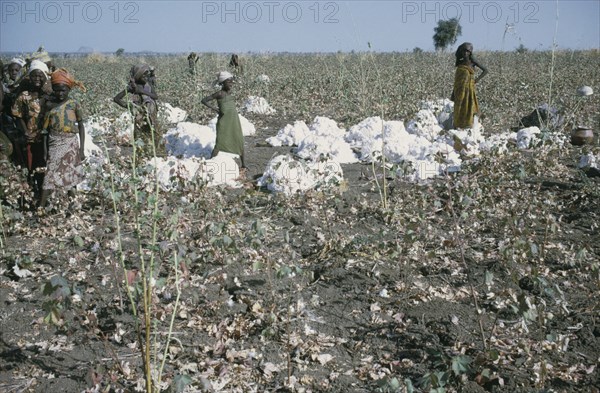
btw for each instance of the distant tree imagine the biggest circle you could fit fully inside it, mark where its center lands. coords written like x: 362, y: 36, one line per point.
x: 521, y: 49
x: 417, y: 50
x: 120, y: 52
x: 446, y: 33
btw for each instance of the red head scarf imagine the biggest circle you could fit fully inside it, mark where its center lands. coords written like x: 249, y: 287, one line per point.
x: 62, y: 76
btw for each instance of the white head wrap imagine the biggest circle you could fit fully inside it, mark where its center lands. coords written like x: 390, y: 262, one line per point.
x: 17, y: 60
x: 38, y: 65
x: 223, y: 76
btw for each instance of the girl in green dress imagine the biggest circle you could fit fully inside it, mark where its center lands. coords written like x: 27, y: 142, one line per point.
x: 230, y: 138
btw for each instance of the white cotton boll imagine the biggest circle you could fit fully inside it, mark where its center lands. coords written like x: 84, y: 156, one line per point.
x: 172, y: 114
x: 248, y: 128
x: 290, y: 135
x: 527, y: 136
x: 190, y: 140
x: 263, y: 78
x: 97, y: 125
x: 124, y: 127
x: 589, y: 161
x: 259, y: 105
x: 584, y: 91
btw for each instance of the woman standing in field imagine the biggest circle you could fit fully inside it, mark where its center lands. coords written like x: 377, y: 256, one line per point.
x: 463, y: 95
x: 63, y: 150
x: 27, y: 110
x: 230, y: 138
x: 141, y: 101
x: 10, y: 87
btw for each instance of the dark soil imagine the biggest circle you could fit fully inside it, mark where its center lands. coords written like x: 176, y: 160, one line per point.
x: 377, y: 299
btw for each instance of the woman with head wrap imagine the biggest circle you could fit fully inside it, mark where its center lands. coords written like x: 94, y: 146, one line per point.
x: 15, y: 72
x: 463, y: 94
x: 27, y: 111
x: 230, y: 138
x: 139, y: 98
x: 64, y: 137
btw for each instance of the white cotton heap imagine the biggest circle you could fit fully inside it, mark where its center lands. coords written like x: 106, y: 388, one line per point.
x: 190, y: 140
x: 289, y: 176
x: 171, y: 114
x: 173, y: 172
x: 290, y: 135
x: 326, y: 141
x: 248, y: 128
x: 258, y: 105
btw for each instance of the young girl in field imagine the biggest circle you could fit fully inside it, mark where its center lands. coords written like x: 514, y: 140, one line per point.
x: 27, y: 111
x: 141, y: 100
x: 230, y: 138
x: 463, y: 95
x: 63, y: 122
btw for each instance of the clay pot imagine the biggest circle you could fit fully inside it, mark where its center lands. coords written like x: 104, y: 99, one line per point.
x: 582, y: 136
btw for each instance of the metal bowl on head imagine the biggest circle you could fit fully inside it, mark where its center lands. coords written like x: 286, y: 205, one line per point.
x: 582, y: 136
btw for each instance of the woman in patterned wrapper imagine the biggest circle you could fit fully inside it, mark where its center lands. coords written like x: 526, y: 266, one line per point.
x: 27, y: 111
x: 466, y: 105
x: 65, y: 136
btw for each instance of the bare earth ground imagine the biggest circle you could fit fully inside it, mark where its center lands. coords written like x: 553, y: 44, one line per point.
x: 366, y: 312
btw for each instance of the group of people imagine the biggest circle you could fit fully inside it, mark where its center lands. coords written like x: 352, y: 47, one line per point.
x: 42, y: 129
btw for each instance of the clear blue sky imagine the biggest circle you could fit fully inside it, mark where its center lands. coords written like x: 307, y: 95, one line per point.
x: 294, y: 26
